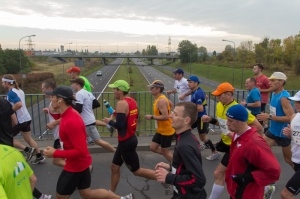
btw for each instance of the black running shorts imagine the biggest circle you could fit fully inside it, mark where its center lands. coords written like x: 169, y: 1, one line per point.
x: 69, y: 181
x: 126, y: 153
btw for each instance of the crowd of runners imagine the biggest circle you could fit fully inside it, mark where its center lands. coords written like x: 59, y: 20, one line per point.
x: 249, y: 128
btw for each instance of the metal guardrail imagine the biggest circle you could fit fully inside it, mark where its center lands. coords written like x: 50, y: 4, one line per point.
x: 36, y: 103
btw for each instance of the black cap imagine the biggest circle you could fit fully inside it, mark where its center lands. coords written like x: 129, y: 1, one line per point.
x: 178, y: 71
x: 63, y: 92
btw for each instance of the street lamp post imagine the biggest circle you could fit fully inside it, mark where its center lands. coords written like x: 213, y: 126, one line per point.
x: 233, y: 58
x: 21, y: 72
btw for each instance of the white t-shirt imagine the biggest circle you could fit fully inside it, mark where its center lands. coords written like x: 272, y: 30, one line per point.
x: 182, y: 87
x: 295, y: 127
x: 86, y: 99
x: 14, y: 96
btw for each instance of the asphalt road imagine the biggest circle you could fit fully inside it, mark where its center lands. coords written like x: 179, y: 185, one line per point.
x: 47, y: 175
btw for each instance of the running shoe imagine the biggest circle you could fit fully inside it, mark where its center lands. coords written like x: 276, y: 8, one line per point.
x: 213, y: 156
x: 44, y: 196
x: 38, y: 160
x: 129, y: 196
x: 270, y: 192
x: 29, y: 153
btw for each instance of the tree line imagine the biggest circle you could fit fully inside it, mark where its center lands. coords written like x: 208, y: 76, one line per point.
x: 275, y: 54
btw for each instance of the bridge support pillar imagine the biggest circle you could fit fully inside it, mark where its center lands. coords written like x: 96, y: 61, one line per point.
x: 128, y: 61
x: 151, y: 63
x: 104, y: 61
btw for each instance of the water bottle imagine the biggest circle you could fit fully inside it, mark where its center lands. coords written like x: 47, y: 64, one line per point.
x: 108, y: 106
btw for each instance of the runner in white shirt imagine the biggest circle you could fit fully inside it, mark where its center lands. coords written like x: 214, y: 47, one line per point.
x: 180, y: 86
x: 84, y: 105
x: 17, y: 99
x: 292, y: 187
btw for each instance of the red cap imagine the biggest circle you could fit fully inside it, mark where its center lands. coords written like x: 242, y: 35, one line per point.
x: 73, y: 69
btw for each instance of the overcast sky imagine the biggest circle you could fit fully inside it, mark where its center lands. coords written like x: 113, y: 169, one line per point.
x: 130, y: 25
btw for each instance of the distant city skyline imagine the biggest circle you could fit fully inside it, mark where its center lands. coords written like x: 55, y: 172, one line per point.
x: 128, y: 26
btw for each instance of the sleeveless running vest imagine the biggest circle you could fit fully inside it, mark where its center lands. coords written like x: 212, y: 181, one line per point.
x: 163, y: 127
x: 131, y: 119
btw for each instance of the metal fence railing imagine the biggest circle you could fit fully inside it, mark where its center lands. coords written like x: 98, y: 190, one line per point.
x: 36, y: 102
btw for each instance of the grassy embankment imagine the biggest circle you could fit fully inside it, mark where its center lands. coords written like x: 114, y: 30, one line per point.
x: 223, y: 73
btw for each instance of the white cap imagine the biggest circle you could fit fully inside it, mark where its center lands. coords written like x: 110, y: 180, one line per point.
x: 296, y: 97
x: 278, y: 75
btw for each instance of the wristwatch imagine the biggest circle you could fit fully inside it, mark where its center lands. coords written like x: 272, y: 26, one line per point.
x: 270, y: 117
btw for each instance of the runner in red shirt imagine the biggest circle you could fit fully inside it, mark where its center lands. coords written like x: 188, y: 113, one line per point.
x: 125, y: 122
x: 262, y: 83
x: 76, y: 173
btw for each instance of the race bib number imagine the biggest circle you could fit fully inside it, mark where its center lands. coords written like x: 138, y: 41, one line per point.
x: 223, y: 125
x: 296, y: 137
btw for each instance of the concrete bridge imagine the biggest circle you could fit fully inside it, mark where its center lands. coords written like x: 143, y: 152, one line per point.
x: 81, y: 56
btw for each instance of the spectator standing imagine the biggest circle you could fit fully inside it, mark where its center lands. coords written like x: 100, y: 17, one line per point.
x: 198, y: 97
x: 76, y: 173
x: 180, y: 86
x: 252, y: 165
x: 292, y: 187
x: 17, y: 99
x: 185, y: 172
x: 125, y: 121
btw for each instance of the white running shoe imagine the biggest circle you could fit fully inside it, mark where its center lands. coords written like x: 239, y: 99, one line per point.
x: 44, y: 196
x: 270, y: 192
x: 129, y: 196
x: 213, y: 156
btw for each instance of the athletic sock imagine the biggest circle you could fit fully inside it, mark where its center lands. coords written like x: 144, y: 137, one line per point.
x: 209, y: 144
x: 216, y: 191
x: 26, y: 149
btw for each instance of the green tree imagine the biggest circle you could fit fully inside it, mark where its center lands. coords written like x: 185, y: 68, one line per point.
x: 187, y: 51
x: 202, y: 52
x: 245, y: 53
x: 10, y: 61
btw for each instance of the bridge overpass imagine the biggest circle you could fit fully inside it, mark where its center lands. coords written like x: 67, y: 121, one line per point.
x: 81, y: 56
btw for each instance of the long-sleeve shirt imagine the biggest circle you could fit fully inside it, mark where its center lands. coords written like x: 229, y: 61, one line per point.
x: 250, y: 153
x: 187, y: 174
x: 73, y: 137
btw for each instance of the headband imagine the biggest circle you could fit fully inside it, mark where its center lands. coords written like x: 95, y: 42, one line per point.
x: 8, y: 80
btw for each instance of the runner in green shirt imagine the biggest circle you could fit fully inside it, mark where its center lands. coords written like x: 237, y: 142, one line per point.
x: 16, y: 177
x: 75, y: 72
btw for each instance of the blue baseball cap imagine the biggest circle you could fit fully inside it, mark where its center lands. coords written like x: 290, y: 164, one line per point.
x: 194, y: 79
x: 237, y: 112
x: 178, y: 71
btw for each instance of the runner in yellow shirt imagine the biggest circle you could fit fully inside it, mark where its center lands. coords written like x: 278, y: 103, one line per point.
x: 224, y: 93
